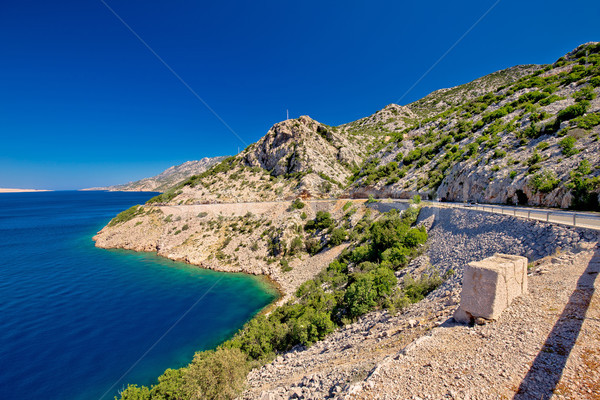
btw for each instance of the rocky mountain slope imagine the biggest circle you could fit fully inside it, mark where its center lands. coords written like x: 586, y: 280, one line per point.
x: 524, y: 135
x: 533, y: 141
x: 166, y: 179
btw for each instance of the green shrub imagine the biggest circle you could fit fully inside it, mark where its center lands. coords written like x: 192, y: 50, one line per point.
x: 585, y: 93
x: 585, y: 192
x: 134, y: 392
x: 297, y: 205
x: 532, y: 131
x: 127, y: 215
x: 499, y: 153
x: 536, y: 117
x: 360, y: 298
x: 533, y: 168
x: 584, y: 167
x: 542, y: 146
x: 544, y: 181
x: 415, y: 237
x: 533, y: 97
x: 416, y: 199
x: 338, y: 236
x: 296, y: 245
x: 550, y: 100
x: 583, y: 188
x: 313, y: 246
x: 361, y: 253
x: 391, y: 180
x: 311, y: 326
x: 202, y: 214
x: 170, y: 385
x: 534, y: 159
x: 477, y: 126
x: 322, y: 220
x: 567, y: 146
x: 412, y: 156
x: 396, y: 257
x: 347, y: 205
x: 417, y: 290
x: 588, y: 121
x: 384, y: 280
x: 571, y: 112
x: 512, y: 174
x: 473, y: 147
x: 166, y: 196
x: 499, y: 113
x: 217, y: 375
x: 285, y: 265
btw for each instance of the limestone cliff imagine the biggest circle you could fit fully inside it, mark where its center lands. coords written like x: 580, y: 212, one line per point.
x: 531, y: 140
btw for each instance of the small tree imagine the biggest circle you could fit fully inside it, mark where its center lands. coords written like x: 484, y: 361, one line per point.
x: 360, y: 296
x: 297, y: 205
x: 313, y: 246
x: 296, y: 245
x: 544, y: 181
x: 567, y: 146
x: 338, y: 236
x: 216, y: 374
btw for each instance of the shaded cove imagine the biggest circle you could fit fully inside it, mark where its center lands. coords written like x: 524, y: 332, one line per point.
x: 77, y: 320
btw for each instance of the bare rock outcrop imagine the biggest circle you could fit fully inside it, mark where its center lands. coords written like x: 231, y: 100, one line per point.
x: 303, y: 145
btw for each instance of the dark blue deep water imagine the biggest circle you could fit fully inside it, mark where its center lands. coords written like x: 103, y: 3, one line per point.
x: 74, y: 319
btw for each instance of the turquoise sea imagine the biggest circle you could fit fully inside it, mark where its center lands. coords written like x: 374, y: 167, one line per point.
x: 78, y: 322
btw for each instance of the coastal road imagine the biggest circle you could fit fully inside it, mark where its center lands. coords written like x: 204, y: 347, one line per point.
x: 579, y: 219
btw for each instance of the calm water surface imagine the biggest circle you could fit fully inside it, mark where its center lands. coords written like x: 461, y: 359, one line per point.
x: 74, y: 318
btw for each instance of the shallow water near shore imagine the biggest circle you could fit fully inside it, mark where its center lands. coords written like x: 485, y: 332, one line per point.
x: 78, y: 322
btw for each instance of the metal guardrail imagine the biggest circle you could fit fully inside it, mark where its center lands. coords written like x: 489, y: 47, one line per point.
x: 576, y: 219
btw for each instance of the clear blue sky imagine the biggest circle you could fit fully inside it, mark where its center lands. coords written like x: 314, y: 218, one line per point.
x: 84, y: 103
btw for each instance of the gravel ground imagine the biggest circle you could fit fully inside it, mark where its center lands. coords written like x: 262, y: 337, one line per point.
x: 380, y: 355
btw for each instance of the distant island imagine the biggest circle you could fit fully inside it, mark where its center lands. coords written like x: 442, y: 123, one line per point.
x: 12, y: 190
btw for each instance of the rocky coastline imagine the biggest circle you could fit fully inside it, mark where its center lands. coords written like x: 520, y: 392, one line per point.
x: 348, y: 363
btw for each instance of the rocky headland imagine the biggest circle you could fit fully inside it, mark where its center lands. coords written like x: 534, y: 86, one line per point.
x: 235, y: 237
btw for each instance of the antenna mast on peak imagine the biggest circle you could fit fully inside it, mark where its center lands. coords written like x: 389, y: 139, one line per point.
x: 287, y: 112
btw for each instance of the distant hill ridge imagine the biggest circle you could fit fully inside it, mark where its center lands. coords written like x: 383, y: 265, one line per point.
x: 167, y: 178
